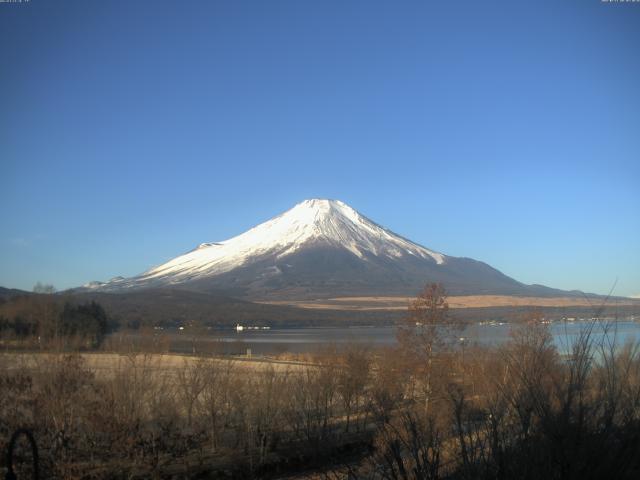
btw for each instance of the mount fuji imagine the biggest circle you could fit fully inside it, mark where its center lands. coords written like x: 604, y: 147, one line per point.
x: 320, y: 249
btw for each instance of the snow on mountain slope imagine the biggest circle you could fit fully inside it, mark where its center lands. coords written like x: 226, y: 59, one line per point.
x: 311, y: 222
x: 320, y: 249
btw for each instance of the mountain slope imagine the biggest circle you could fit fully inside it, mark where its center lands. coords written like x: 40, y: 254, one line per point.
x: 8, y: 293
x: 320, y: 248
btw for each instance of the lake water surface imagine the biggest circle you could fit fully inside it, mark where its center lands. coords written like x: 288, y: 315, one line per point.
x: 301, y: 340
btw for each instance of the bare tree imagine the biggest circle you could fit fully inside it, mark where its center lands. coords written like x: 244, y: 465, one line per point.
x: 407, y: 448
x: 215, y: 402
x: 44, y: 288
x: 191, y: 381
x: 353, y: 376
x: 426, y: 330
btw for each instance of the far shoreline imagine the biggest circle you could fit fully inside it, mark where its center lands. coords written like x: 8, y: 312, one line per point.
x: 391, y: 303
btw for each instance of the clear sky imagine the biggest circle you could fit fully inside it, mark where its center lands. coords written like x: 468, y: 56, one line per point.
x: 505, y: 131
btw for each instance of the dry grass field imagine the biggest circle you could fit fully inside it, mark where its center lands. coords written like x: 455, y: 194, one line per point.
x: 459, y: 302
x: 168, y: 363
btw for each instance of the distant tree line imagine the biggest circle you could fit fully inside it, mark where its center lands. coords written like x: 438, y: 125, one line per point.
x: 44, y: 318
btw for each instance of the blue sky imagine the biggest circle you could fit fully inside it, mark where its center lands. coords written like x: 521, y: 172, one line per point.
x: 504, y: 131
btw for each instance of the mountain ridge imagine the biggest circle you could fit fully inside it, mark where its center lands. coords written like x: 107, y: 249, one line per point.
x: 320, y: 248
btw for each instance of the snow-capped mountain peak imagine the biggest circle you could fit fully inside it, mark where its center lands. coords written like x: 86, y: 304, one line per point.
x: 314, y: 222
x: 336, y: 222
x: 311, y: 221
x: 319, y: 249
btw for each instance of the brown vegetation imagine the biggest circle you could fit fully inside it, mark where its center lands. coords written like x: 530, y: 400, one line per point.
x: 458, y: 301
x: 425, y: 410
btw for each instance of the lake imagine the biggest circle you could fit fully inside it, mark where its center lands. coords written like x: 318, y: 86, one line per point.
x: 302, y: 340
